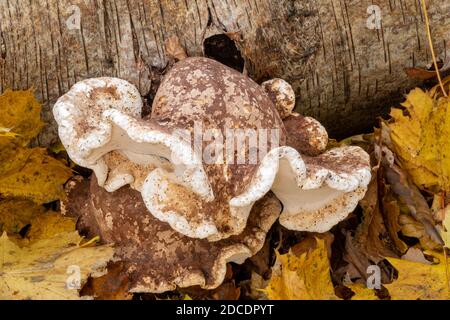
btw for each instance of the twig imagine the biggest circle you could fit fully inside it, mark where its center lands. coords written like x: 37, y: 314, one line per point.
x: 430, y: 42
x: 445, y: 250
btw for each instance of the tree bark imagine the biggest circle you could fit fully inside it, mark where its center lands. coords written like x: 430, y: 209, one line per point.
x: 344, y: 73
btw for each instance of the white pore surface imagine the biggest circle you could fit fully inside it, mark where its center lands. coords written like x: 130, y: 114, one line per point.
x: 116, y: 125
x: 307, y: 191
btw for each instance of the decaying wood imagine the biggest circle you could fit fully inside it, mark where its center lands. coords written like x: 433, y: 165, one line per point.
x: 344, y: 73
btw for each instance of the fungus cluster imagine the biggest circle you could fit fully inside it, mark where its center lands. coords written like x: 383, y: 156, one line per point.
x: 180, y: 202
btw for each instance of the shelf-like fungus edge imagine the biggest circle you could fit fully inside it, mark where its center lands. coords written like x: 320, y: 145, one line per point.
x: 100, y: 119
x: 157, y: 258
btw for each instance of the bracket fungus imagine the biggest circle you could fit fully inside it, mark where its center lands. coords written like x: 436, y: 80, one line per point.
x: 216, y: 143
x: 156, y: 257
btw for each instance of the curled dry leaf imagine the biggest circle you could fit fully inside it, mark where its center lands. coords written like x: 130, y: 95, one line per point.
x: 412, y: 228
x: 358, y: 261
x: 175, y: 49
x: 428, y: 73
x: 376, y: 236
x: 404, y: 206
x: 391, y: 214
x: 311, y: 242
x: 372, y: 236
x: 445, y: 231
x: 414, y: 201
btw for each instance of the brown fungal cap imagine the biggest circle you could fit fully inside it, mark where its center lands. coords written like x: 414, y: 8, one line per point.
x: 203, y: 92
x: 281, y: 94
x: 305, y: 134
x: 157, y: 257
x: 210, y: 199
x: 191, y: 195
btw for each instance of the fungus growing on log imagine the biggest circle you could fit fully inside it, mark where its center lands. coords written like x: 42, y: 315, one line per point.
x: 156, y: 257
x: 215, y: 144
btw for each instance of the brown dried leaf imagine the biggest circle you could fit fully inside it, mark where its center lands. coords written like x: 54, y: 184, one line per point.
x: 310, y: 243
x: 113, y: 285
x: 391, y: 213
x: 427, y: 73
x: 412, y: 228
x: 175, y: 49
x: 371, y: 235
x: 414, y: 201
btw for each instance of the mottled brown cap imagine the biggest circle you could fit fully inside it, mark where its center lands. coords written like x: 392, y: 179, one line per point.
x: 157, y: 258
x: 305, y: 134
x: 281, y: 94
x: 100, y: 124
x: 201, y: 91
x: 211, y: 200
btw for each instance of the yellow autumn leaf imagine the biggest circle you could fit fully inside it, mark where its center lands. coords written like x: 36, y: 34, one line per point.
x: 419, y: 280
x: 304, y: 277
x: 49, y: 224
x: 20, y: 115
x: 362, y: 292
x: 44, y: 269
x: 17, y: 213
x: 30, y: 173
x: 420, y: 137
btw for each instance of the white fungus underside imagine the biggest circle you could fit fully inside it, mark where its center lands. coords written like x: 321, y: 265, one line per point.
x: 282, y: 170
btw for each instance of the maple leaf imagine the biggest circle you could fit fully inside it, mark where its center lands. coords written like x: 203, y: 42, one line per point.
x: 304, y: 277
x: 20, y: 116
x: 30, y: 173
x: 419, y: 280
x: 420, y: 136
x: 40, y: 270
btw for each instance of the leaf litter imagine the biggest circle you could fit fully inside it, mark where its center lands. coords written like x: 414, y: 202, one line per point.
x: 401, y: 225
